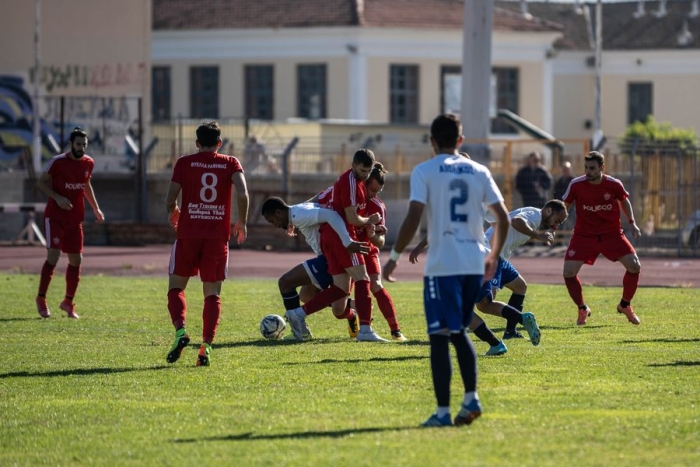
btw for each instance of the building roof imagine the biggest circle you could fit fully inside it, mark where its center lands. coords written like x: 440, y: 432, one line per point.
x: 241, y: 14
x: 621, y: 29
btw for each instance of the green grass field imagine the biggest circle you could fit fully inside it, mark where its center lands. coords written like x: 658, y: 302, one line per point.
x: 98, y: 391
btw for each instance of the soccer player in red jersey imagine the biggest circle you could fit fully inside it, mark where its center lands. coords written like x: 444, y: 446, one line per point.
x: 349, y: 200
x: 598, y: 230
x: 203, y: 230
x: 376, y: 235
x: 66, y: 181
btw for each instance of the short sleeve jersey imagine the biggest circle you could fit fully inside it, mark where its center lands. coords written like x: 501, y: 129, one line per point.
x: 453, y: 190
x: 305, y: 217
x: 374, y: 205
x: 69, y: 177
x: 348, y: 190
x: 205, y: 179
x: 597, y: 206
x: 325, y: 198
x: 514, y: 239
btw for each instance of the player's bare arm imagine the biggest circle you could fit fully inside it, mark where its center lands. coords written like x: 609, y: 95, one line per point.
x: 626, y: 207
x: 357, y: 220
x: 171, y: 203
x: 45, y: 185
x: 333, y: 219
x: 409, y: 225
x: 521, y: 226
x: 92, y: 201
x: 240, y: 228
x: 500, y: 233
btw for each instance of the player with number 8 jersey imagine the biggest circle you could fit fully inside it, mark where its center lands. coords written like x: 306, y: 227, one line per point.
x: 203, y: 228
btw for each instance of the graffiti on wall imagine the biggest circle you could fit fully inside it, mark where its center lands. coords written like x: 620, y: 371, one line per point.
x: 62, y: 77
x: 107, y: 120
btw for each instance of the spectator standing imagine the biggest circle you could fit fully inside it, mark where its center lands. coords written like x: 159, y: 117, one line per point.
x: 533, y: 181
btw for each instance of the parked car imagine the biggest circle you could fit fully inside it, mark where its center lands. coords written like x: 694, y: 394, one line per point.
x: 691, y: 231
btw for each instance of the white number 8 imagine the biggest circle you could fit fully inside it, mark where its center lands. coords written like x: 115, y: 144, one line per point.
x: 208, y: 187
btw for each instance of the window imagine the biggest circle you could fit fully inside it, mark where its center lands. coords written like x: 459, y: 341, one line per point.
x: 507, y: 96
x: 403, y: 94
x: 160, y: 93
x: 311, y: 91
x: 451, y: 89
x: 204, y: 92
x: 639, y: 102
x: 259, y: 91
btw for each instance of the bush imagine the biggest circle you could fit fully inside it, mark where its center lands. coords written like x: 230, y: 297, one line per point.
x: 659, y: 134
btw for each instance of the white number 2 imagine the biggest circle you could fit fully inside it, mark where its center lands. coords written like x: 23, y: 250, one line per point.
x: 208, y: 188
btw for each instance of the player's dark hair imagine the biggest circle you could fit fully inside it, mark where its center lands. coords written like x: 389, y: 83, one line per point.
x: 272, y: 204
x: 377, y: 173
x: 363, y: 157
x: 208, y: 134
x: 595, y: 156
x: 77, y: 133
x: 556, y: 205
x: 446, y: 130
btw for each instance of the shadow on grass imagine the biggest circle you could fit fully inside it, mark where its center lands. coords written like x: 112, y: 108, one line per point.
x: 314, y: 341
x: 667, y: 340
x: 77, y: 372
x: 6, y: 320
x: 250, y: 436
x: 676, y: 363
x: 360, y: 360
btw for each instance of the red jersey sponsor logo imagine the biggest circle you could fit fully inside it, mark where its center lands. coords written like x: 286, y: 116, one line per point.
x: 598, y: 207
x: 74, y: 186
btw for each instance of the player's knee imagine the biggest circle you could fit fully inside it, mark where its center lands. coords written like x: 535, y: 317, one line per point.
x: 285, y: 283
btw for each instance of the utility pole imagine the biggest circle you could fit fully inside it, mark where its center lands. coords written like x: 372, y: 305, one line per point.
x: 36, y: 152
x: 597, y: 130
x: 476, y: 77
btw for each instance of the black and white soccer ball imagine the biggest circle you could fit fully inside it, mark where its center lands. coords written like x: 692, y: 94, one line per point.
x: 273, y: 327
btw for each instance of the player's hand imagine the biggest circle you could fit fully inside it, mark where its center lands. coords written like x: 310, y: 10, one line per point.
x: 100, y: 217
x: 358, y: 247
x: 63, y: 203
x: 370, y: 230
x: 545, y: 237
x: 415, y: 252
x: 636, y: 232
x: 174, y: 217
x: 388, y: 269
x: 291, y: 231
x: 380, y: 229
x: 490, y: 265
x: 375, y: 218
x: 240, y: 231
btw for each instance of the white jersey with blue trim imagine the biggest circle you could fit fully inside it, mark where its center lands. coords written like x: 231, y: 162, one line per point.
x: 453, y: 189
x: 309, y: 216
x: 514, y: 239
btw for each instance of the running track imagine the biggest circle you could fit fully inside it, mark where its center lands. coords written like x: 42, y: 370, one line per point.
x: 152, y: 260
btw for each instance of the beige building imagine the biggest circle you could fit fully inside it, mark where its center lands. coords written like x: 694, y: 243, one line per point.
x: 398, y: 63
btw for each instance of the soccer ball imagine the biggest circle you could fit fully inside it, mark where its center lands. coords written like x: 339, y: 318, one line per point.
x: 272, y: 327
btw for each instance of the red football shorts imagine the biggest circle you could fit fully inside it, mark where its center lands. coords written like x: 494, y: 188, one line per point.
x: 206, y: 256
x: 67, y: 237
x: 586, y: 248
x: 338, y: 257
x: 372, y: 264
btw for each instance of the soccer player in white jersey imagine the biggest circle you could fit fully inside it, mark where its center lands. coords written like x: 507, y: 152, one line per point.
x: 307, y: 217
x: 452, y: 189
x: 528, y: 223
